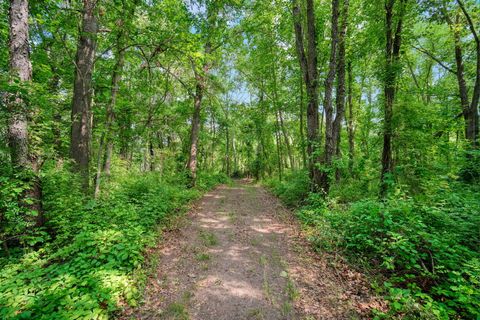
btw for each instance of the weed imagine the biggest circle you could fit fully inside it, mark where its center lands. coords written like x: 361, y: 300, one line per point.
x: 286, y: 308
x: 208, y: 238
x: 255, y: 314
x: 202, y: 256
x: 291, y: 291
x: 177, y: 311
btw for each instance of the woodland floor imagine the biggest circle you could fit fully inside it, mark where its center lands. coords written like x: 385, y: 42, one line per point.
x: 239, y: 254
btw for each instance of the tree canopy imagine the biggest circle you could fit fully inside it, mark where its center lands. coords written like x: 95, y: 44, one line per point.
x: 358, y: 111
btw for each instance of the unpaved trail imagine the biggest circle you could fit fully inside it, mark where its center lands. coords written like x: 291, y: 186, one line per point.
x: 239, y: 255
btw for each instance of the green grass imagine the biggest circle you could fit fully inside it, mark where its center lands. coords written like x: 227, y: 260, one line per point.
x: 232, y: 217
x: 255, y: 241
x: 291, y: 291
x: 177, y: 311
x: 202, y: 256
x: 208, y: 238
x: 255, y: 314
x: 286, y: 308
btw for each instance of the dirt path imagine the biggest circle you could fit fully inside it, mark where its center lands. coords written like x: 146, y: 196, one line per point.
x: 238, y: 255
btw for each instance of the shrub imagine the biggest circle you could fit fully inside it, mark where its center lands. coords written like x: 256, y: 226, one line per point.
x: 293, y: 189
x: 88, y: 269
x: 425, y: 248
x: 206, y: 181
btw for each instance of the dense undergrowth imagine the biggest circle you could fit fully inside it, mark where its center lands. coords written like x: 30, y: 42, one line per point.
x: 423, y: 250
x: 87, y: 261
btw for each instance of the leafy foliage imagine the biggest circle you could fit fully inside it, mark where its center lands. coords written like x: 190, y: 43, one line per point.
x: 92, y: 265
x: 295, y: 189
x: 240, y: 59
x: 425, y: 248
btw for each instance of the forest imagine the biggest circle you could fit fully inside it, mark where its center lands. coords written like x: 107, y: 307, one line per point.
x: 117, y: 116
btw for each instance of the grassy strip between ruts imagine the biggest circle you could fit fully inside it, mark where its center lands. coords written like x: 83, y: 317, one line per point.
x: 90, y: 263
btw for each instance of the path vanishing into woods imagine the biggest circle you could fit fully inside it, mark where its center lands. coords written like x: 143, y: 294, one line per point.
x: 238, y: 254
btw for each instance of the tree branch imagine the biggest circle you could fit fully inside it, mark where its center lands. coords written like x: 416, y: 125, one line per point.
x: 424, y: 51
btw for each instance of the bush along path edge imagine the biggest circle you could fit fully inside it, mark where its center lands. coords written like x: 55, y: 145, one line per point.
x: 420, y: 253
x: 94, y: 265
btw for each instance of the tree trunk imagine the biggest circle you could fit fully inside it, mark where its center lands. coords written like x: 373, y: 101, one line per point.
x: 106, y: 139
x: 469, y: 108
x: 392, y: 56
x: 57, y: 116
x: 195, y: 132
x: 459, y: 72
x: 235, y: 158
x: 365, y: 136
x: 227, y: 152
x: 82, y: 93
x: 472, y: 129
x: 227, y: 142
x: 327, y: 102
x: 108, y: 159
x: 301, y: 120
x: 280, y: 123
x: 151, y: 155
x: 350, y: 121
x: 213, y: 142
x: 279, y: 153
x: 125, y: 135
x: 340, y: 98
x: 20, y: 68
x: 308, y: 65
x: 200, y: 78
x: 287, y: 141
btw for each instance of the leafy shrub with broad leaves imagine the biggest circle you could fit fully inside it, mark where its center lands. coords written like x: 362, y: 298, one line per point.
x: 16, y: 220
x: 206, y: 181
x: 93, y: 263
x: 427, y: 248
x: 293, y: 189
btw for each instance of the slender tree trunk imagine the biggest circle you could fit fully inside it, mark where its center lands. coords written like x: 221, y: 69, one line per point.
x: 472, y: 129
x: 151, y: 155
x: 350, y: 121
x: 235, y: 159
x: 125, y: 135
x: 227, y: 153
x: 197, y: 107
x: 213, y: 142
x: 82, y: 93
x: 322, y: 120
x: 227, y: 144
x: 327, y: 102
x: 302, y: 131
x: 368, y: 123
x: 287, y: 141
x: 308, y: 65
x: 392, y: 56
x: 340, y: 98
x: 195, y: 131
x: 57, y: 116
x: 279, y: 152
x: 277, y: 105
x: 108, y: 159
x: 280, y: 124
x: 20, y: 68
x: 460, y: 73
x: 106, y: 138
x: 469, y: 107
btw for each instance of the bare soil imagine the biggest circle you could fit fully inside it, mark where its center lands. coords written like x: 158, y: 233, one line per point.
x: 239, y: 254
